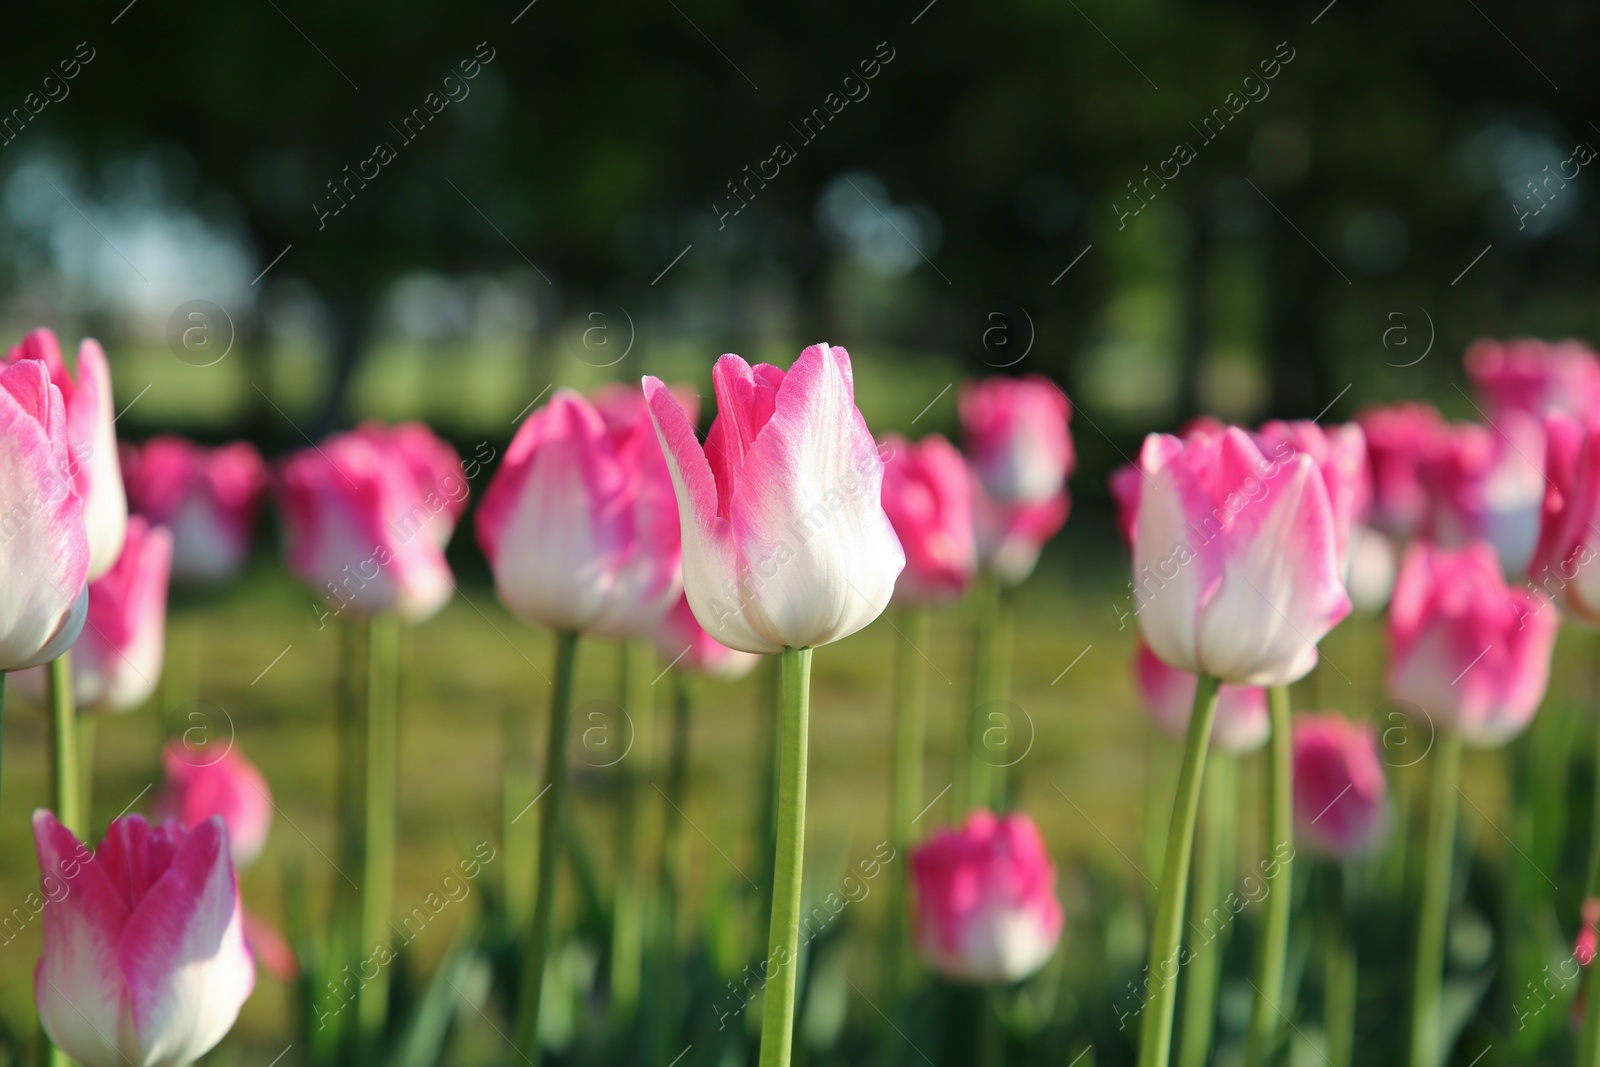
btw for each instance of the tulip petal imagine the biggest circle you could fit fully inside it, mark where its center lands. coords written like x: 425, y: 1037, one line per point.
x: 1167, y: 570
x: 94, y: 444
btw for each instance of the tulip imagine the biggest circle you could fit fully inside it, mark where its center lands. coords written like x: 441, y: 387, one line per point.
x: 144, y: 958
x: 1235, y: 558
x: 91, y: 438
x: 1011, y: 536
x: 1535, y: 377
x: 1242, y: 725
x: 1568, y: 541
x: 435, y: 468
x: 1400, y: 439
x: 1488, y: 485
x: 201, y: 784
x: 1016, y: 433
x: 927, y: 494
x: 682, y: 642
x: 580, y: 524
x: 44, y: 546
x: 985, y: 907
x: 786, y: 543
x: 357, y: 525
x: 1339, y: 789
x: 207, y: 497
x: 1340, y: 454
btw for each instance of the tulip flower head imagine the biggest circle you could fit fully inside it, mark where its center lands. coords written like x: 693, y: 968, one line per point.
x: 682, y: 642
x: 1400, y: 440
x: 118, y: 659
x: 44, y: 545
x: 580, y: 524
x: 207, y: 497
x: 1564, y: 563
x: 1487, y: 484
x: 984, y: 896
x: 1017, y: 435
x: 785, y: 539
x: 1339, y: 788
x: 1242, y: 724
x: 1470, y: 652
x: 201, y: 783
x: 144, y: 958
x: 927, y: 494
x: 91, y: 437
x: 435, y: 468
x: 1236, y: 565
x: 1535, y: 377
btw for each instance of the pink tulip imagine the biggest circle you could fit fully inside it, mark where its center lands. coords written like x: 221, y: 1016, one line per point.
x: 1340, y: 454
x: 786, y: 543
x: 144, y: 957
x: 927, y: 494
x: 1471, y: 653
x: 1488, y: 485
x: 360, y: 529
x: 1016, y: 433
x: 1568, y: 541
x: 1236, y: 567
x: 435, y: 468
x: 44, y: 547
x: 1241, y: 724
x: 92, y: 439
x: 985, y: 907
x: 117, y: 661
x: 207, y: 497
x: 1400, y: 439
x: 1535, y: 377
x: 1011, y: 536
x: 202, y: 783
x: 580, y: 524
x: 681, y: 642
x: 1339, y: 789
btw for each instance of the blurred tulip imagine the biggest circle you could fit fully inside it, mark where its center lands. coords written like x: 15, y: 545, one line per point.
x: 1487, y: 484
x: 680, y: 641
x: 1011, y: 536
x: 786, y: 543
x: 435, y: 468
x: 44, y: 547
x: 927, y: 494
x: 201, y: 783
x: 91, y: 438
x: 144, y: 958
x: 985, y: 907
x: 207, y: 497
x: 1568, y: 541
x: 1241, y: 724
x: 117, y: 661
x: 1236, y: 568
x: 359, y: 529
x: 1399, y: 440
x: 1535, y: 377
x: 270, y: 949
x: 1340, y: 454
x: 1372, y: 565
x: 1016, y: 433
x: 1472, y: 653
x: 1339, y: 788
x: 580, y: 525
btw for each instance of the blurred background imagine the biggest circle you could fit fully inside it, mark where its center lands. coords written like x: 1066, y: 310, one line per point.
x: 283, y: 217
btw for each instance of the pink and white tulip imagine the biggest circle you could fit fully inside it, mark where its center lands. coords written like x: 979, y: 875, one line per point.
x: 91, y: 438
x: 1339, y: 788
x: 1535, y: 377
x: 984, y: 899
x: 1011, y: 536
x: 1400, y: 440
x: 1340, y: 453
x: 208, y: 497
x: 1568, y: 542
x: 1126, y: 481
x: 680, y: 641
x: 785, y: 540
x: 1242, y: 724
x: 1487, y: 484
x: 1472, y: 653
x: 927, y: 494
x: 359, y: 529
x: 202, y: 783
x: 580, y: 524
x: 1017, y: 435
x: 144, y: 958
x: 435, y: 468
x: 1235, y: 558
x: 44, y: 546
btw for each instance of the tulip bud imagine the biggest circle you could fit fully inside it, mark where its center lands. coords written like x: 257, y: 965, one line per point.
x: 144, y: 957
x: 207, y: 497
x: 1242, y: 724
x: 1339, y: 789
x: 1400, y: 439
x: 1472, y: 653
x: 985, y: 907
x: 927, y: 494
x: 785, y: 540
x: 1016, y: 433
x: 1488, y: 485
x: 202, y: 783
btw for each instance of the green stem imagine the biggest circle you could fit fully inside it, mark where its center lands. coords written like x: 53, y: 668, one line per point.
x: 64, y: 720
x: 1155, y: 1036
x: 628, y: 909
x: 910, y: 708
x: 1589, y: 1042
x: 87, y: 724
x: 991, y: 1033
x: 673, y: 862
x: 1427, y: 983
x: 783, y: 941
x: 550, y: 827
x: 377, y: 882
x: 991, y: 676
x: 1339, y: 997
x: 1274, y: 944
x: 1213, y: 871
